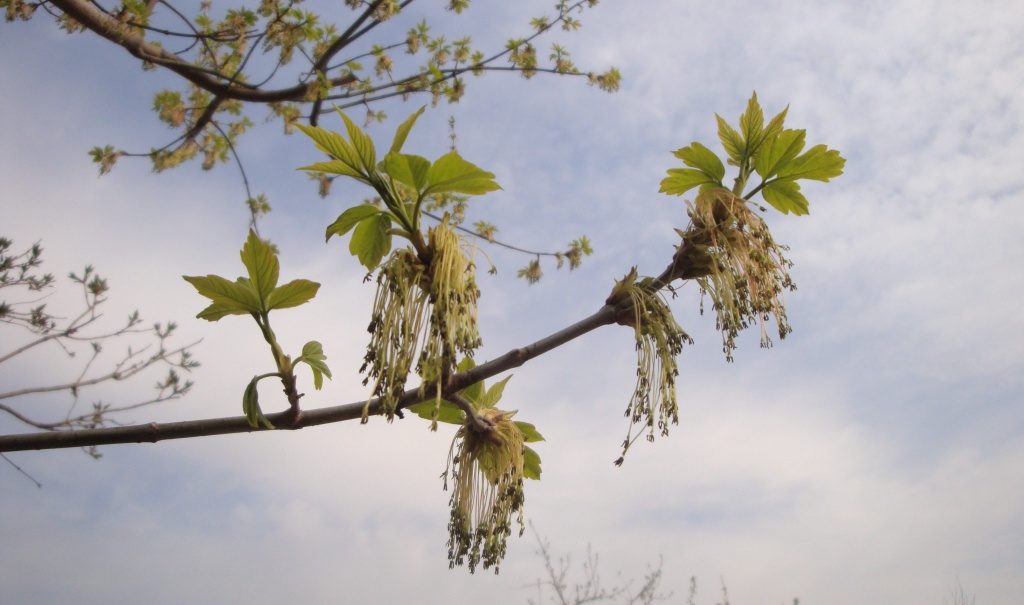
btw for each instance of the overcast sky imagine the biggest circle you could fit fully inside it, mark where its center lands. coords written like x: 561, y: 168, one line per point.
x: 874, y: 456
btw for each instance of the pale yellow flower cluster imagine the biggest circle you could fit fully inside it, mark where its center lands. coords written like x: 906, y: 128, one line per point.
x: 487, y: 470
x: 425, y: 307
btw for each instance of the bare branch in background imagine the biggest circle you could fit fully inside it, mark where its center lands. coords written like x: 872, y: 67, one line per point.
x: 19, y: 277
x: 589, y: 589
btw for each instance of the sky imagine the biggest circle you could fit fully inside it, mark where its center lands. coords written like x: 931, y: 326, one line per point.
x: 875, y: 455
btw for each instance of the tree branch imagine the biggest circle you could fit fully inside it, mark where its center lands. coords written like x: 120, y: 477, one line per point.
x: 154, y: 432
x: 222, y: 86
x: 347, y: 36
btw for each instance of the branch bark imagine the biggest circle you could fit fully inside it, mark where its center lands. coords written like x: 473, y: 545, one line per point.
x: 124, y: 36
x: 287, y: 420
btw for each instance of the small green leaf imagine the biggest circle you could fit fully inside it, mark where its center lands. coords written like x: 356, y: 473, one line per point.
x: 773, y: 129
x: 262, y: 265
x: 362, y: 143
x: 313, y: 349
x: 336, y: 167
x: 403, y: 131
x: 292, y: 294
x: 229, y: 298
x: 408, y: 169
x: 313, y: 356
x: 531, y: 463
x: 775, y: 154
x: 371, y: 240
x: 350, y: 218
x: 785, y: 197
x: 347, y: 159
x: 492, y: 396
x: 731, y: 140
x: 251, y: 406
x: 435, y: 72
x: 819, y: 163
x: 474, y: 392
x: 751, y: 125
x: 448, y: 412
x: 529, y: 431
x: 681, y: 180
x: 452, y: 174
x: 703, y: 159
x: 217, y: 310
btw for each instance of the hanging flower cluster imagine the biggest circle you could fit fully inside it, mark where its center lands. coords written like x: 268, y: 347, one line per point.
x: 487, y: 471
x: 738, y: 265
x: 426, y: 306
x: 659, y: 339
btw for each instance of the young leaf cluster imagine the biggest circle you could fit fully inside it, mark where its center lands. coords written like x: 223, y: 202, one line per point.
x: 771, y: 151
x: 403, y: 183
x: 257, y: 295
x: 574, y: 253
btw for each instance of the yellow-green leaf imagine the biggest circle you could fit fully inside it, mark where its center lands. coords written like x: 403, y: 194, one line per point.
x: 751, y: 125
x: 251, y: 407
x: 313, y: 356
x: 218, y: 310
x: 350, y: 218
x: 371, y: 240
x: 403, y: 131
x: 474, y: 392
x: 452, y: 174
x: 819, y: 163
x: 362, y: 143
x: 336, y: 167
x: 785, y: 197
x: 700, y: 157
x: 529, y: 432
x: 731, y: 140
x: 448, y: 412
x: 775, y: 154
x: 531, y: 463
x: 681, y: 180
x: 262, y: 265
x: 292, y: 294
x: 408, y: 169
x: 492, y: 396
x: 773, y: 129
x: 347, y: 159
x: 229, y: 298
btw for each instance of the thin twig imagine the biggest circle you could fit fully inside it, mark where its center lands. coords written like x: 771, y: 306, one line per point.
x: 22, y: 471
